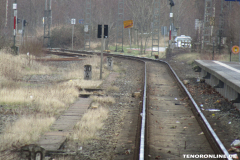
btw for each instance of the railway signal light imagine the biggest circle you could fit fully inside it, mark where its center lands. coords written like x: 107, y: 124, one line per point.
x: 18, y: 20
x: 99, y: 35
x: 24, y: 23
x: 171, y: 3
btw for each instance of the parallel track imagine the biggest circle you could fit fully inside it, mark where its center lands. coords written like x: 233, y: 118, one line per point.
x: 213, y: 139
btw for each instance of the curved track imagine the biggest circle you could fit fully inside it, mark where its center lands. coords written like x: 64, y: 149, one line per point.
x: 172, y: 129
x: 172, y: 124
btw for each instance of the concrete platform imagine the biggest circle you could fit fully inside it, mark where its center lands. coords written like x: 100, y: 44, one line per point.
x: 223, y: 76
x: 52, y: 140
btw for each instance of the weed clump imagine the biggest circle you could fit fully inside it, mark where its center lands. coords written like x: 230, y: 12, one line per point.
x: 90, y: 123
x: 24, y: 131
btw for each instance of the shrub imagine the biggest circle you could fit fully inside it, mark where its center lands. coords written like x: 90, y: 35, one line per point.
x: 62, y: 36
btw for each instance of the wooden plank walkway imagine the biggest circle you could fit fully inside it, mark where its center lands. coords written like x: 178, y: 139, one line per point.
x: 52, y: 140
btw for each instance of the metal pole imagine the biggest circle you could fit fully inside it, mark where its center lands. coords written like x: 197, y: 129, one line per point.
x: 101, y: 51
x: 122, y: 39
x: 72, y: 35
x: 231, y: 52
x: 104, y: 44
x: 171, y: 17
x: 220, y: 31
x: 170, y: 30
x: 15, y: 27
x: 22, y: 32
x: 49, y: 21
x: 44, y: 21
x: 239, y: 52
x: 14, y: 31
x: 6, y: 13
x: 213, y: 51
x: 164, y: 40
x: 129, y: 37
x: 137, y: 39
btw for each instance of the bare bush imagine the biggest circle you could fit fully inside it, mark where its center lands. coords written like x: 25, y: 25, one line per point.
x: 62, y: 36
x: 32, y: 46
x: 90, y: 123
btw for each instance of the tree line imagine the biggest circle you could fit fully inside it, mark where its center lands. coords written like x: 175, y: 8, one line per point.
x: 106, y: 11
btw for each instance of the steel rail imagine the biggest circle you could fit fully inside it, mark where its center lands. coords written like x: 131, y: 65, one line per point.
x: 142, y: 137
x: 224, y: 150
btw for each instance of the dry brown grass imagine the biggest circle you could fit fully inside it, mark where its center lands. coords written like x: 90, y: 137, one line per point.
x: 39, y: 31
x: 67, y: 157
x: 25, y: 131
x: 95, y: 105
x: 96, y: 45
x: 77, y: 69
x: 188, y: 57
x: 15, y: 67
x: 104, y: 99
x: 191, y: 57
x: 50, y: 99
x: 90, y: 123
x: 47, y: 100
x: 80, y: 83
x: 32, y: 45
x: 113, y: 89
x: 219, y: 57
x: 129, y: 51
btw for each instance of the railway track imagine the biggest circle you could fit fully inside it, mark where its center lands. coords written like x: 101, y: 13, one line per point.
x: 172, y: 125
x: 172, y: 129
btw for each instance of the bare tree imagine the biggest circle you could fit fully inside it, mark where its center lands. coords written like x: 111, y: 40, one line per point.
x: 141, y: 11
x: 105, y: 11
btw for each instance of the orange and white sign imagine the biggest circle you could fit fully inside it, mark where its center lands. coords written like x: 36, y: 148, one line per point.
x: 235, y: 49
x: 128, y: 24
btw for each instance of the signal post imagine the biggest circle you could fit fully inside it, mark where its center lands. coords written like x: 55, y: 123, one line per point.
x: 15, y: 25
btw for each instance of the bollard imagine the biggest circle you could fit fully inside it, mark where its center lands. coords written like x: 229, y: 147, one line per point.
x: 87, y: 72
x: 109, y: 63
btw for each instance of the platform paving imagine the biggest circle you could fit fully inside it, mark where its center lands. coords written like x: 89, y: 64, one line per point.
x: 228, y: 72
x: 52, y: 140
